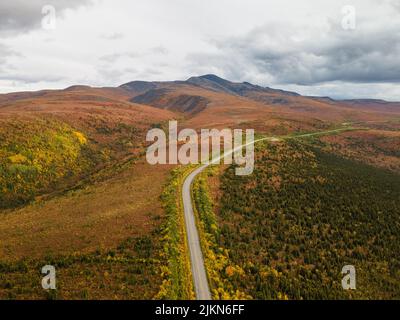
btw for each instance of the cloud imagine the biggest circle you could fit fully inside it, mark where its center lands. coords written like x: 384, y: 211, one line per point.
x: 29, y: 79
x: 5, y: 53
x: 306, y: 56
x: 12, y: 73
x: 395, y: 4
x: 19, y: 16
x: 110, y: 58
x: 255, y: 40
x: 113, y: 36
x: 161, y: 50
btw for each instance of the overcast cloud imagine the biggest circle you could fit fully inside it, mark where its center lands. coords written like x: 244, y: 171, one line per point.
x: 297, y: 45
x: 360, y: 56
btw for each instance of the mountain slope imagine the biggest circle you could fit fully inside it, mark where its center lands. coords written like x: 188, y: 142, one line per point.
x: 212, y: 101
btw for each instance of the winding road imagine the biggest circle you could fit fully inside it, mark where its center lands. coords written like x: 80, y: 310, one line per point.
x: 196, y: 255
x: 199, y: 273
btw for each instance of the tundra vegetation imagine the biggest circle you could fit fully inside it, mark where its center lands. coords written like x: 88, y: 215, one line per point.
x: 69, y: 198
x: 176, y: 273
x: 39, y: 157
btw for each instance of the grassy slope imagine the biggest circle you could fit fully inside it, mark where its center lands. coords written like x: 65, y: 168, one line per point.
x: 94, y: 236
x: 107, y: 236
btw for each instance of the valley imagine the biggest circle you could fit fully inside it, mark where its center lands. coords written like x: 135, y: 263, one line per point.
x: 76, y: 192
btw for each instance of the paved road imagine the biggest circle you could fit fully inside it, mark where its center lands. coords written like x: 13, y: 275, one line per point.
x: 196, y: 256
x: 200, y: 280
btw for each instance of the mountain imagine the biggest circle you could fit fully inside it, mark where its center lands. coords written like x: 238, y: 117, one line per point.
x: 203, y: 101
x: 209, y: 82
x: 139, y: 87
x: 218, y: 84
x: 210, y: 100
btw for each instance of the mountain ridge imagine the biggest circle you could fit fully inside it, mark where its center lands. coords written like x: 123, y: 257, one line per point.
x: 203, y: 101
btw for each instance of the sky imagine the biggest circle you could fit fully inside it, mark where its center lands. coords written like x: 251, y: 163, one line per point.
x: 341, y: 49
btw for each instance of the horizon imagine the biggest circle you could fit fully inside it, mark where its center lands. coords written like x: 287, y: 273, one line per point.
x: 44, y: 44
x: 200, y: 76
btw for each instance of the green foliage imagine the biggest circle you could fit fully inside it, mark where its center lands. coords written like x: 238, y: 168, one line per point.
x: 36, y: 157
x: 218, y: 265
x: 177, y: 284
x: 125, y: 273
x: 302, y: 216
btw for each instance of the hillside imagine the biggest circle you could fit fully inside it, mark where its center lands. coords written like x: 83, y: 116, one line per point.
x: 55, y: 138
x: 75, y: 194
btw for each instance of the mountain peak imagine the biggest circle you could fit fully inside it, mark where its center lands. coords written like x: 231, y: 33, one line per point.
x: 214, y: 78
x: 139, y: 87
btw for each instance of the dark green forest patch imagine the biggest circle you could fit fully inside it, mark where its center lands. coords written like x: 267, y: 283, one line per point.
x: 302, y: 216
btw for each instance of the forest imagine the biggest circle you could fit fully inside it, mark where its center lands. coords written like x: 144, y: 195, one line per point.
x: 302, y: 216
x: 130, y: 271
